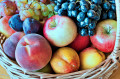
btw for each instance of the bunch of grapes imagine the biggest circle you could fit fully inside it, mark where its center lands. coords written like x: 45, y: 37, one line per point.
x: 109, y: 10
x: 36, y: 9
x: 84, y: 13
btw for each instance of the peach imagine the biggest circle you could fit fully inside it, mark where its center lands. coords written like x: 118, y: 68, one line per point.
x: 91, y: 57
x: 4, y: 26
x: 10, y: 44
x: 65, y: 60
x: 7, y: 8
x: 33, y: 52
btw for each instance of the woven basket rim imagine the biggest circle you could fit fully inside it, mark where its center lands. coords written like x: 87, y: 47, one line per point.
x: 104, y: 69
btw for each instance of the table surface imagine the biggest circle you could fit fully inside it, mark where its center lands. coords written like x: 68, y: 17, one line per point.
x: 4, y: 75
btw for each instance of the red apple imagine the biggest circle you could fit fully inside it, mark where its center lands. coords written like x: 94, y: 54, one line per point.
x: 105, y: 36
x: 80, y: 42
x: 60, y: 30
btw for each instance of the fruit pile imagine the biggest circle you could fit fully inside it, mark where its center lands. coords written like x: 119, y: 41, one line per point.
x: 85, y: 13
x: 55, y: 44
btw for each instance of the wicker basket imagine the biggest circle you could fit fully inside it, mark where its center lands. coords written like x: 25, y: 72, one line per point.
x: 102, y: 71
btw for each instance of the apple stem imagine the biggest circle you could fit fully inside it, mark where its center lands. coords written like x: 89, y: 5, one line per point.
x: 108, y: 29
x: 52, y: 24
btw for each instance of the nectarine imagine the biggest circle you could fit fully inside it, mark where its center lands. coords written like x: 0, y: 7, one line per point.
x: 65, y: 60
x: 91, y: 57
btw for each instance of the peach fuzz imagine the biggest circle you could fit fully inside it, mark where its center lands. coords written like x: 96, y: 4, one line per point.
x: 10, y: 44
x: 33, y: 52
x: 4, y: 26
x: 65, y: 60
x: 91, y: 57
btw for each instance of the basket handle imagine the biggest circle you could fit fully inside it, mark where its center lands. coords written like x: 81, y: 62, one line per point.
x: 116, y: 50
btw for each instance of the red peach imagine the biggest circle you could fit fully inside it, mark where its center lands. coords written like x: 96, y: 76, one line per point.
x: 10, y: 44
x: 33, y: 52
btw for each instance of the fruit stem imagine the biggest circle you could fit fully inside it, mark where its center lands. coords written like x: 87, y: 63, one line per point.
x: 108, y: 29
x: 53, y: 24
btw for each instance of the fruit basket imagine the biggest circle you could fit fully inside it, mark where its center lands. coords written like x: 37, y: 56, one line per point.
x: 101, y: 71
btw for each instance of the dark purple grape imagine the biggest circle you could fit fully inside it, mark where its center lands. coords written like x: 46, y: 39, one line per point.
x: 111, y: 15
x: 72, y: 0
x: 83, y: 32
x: 65, y: 6
x: 87, y: 21
x: 78, y: 24
x: 99, y: 7
x: 90, y: 32
x: 83, y: 2
x: 97, y: 1
x: 58, y: 3
x: 78, y: 6
x: 57, y: 7
x: 106, y: 6
x: 70, y: 13
x: 72, y: 6
x: 113, y: 7
x: 91, y: 14
x: 74, y: 13
x: 80, y: 16
x: 61, y: 1
x: 112, y: 1
x: 84, y: 8
x: 62, y: 12
x: 82, y: 24
x: 99, y: 12
x: 93, y: 7
x: 55, y: 2
x: 97, y: 17
x: 104, y: 15
x: 92, y: 25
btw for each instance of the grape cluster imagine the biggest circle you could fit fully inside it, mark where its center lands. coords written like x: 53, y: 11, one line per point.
x: 109, y: 10
x: 35, y: 9
x: 84, y: 13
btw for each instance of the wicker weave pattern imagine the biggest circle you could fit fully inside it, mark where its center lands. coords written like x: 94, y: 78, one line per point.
x: 102, y: 71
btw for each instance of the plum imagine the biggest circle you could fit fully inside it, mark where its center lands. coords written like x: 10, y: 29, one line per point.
x: 15, y: 23
x: 31, y: 25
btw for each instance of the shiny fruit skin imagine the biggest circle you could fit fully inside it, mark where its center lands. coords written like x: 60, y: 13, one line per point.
x: 65, y: 60
x: 90, y: 57
x: 105, y: 36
